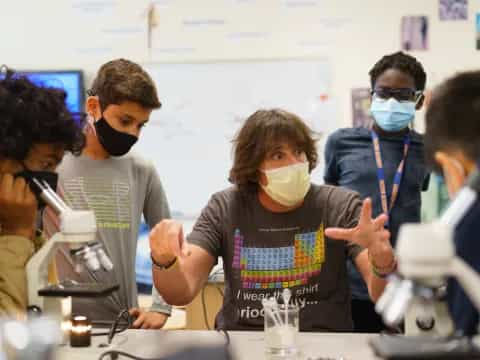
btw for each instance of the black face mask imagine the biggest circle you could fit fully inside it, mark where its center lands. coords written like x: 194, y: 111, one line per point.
x: 115, y: 142
x: 43, y: 176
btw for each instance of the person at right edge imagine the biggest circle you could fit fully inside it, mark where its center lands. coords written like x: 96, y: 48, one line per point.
x: 384, y: 162
x: 452, y: 145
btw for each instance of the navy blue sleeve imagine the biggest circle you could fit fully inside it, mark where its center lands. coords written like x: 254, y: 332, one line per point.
x: 462, y: 310
x: 331, y: 171
x: 464, y: 314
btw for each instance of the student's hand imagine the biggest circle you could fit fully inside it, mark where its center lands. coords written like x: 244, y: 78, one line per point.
x: 369, y: 233
x: 147, y: 319
x: 167, y: 241
x: 18, y: 207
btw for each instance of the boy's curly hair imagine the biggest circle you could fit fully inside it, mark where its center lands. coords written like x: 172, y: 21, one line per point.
x: 30, y: 114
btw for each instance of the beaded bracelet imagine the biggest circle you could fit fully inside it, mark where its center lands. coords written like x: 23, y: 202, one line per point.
x: 383, y: 272
x: 163, y: 267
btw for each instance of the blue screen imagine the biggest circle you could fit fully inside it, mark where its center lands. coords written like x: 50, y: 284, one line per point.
x: 69, y: 81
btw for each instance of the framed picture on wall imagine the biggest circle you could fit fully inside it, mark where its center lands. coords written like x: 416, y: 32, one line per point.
x: 453, y: 9
x: 414, y: 30
x: 477, y: 30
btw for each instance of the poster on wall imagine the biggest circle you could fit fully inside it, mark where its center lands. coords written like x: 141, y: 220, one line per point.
x: 361, y: 107
x: 453, y: 9
x: 477, y: 27
x: 414, y: 30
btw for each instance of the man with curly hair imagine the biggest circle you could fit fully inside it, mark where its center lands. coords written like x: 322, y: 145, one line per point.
x: 275, y: 230
x: 36, y: 130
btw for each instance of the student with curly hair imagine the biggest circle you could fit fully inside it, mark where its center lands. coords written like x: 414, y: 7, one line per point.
x: 36, y: 130
x: 384, y: 162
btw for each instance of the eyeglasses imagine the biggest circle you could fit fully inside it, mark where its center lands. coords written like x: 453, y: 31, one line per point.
x: 400, y: 94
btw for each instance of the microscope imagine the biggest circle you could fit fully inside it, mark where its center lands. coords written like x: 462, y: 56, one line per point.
x: 77, y: 230
x: 426, y: 258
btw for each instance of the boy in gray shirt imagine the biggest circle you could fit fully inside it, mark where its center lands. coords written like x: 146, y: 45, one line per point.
x: 118, y: 185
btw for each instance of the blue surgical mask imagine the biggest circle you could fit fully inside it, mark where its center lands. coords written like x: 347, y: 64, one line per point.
x: 392, y: 115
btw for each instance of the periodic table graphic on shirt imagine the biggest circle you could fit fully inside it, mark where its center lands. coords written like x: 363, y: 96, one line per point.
x: 279, y: 267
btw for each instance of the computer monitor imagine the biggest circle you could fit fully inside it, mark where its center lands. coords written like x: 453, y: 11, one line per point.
x: 71, y: 81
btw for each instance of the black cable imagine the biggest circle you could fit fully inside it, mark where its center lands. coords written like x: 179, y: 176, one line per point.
x: 220, y: 291
x: 126, y: 316
x: 205, y: 317
x: 227, y: 336
x: 106, y: 333
x: 115, y: 353
x: 123, y: 315
x: 204, y: 306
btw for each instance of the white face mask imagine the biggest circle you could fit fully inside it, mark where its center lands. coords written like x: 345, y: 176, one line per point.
x: 288, y: 185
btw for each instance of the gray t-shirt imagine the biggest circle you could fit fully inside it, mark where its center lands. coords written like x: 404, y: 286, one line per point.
x: 264, y: 252
x: 119, y: 190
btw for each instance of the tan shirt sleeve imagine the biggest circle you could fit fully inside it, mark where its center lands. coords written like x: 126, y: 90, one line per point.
x: 15, y: 251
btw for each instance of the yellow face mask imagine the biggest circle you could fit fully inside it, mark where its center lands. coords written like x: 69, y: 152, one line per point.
x: 288, y: 185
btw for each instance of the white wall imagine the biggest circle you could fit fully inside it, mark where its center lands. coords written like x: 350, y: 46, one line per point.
x: 351, y: 34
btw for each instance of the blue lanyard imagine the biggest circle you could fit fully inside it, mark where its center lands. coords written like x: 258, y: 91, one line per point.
x: 381, y: 173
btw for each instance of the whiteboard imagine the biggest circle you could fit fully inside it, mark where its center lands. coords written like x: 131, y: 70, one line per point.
x: 205, y: 104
